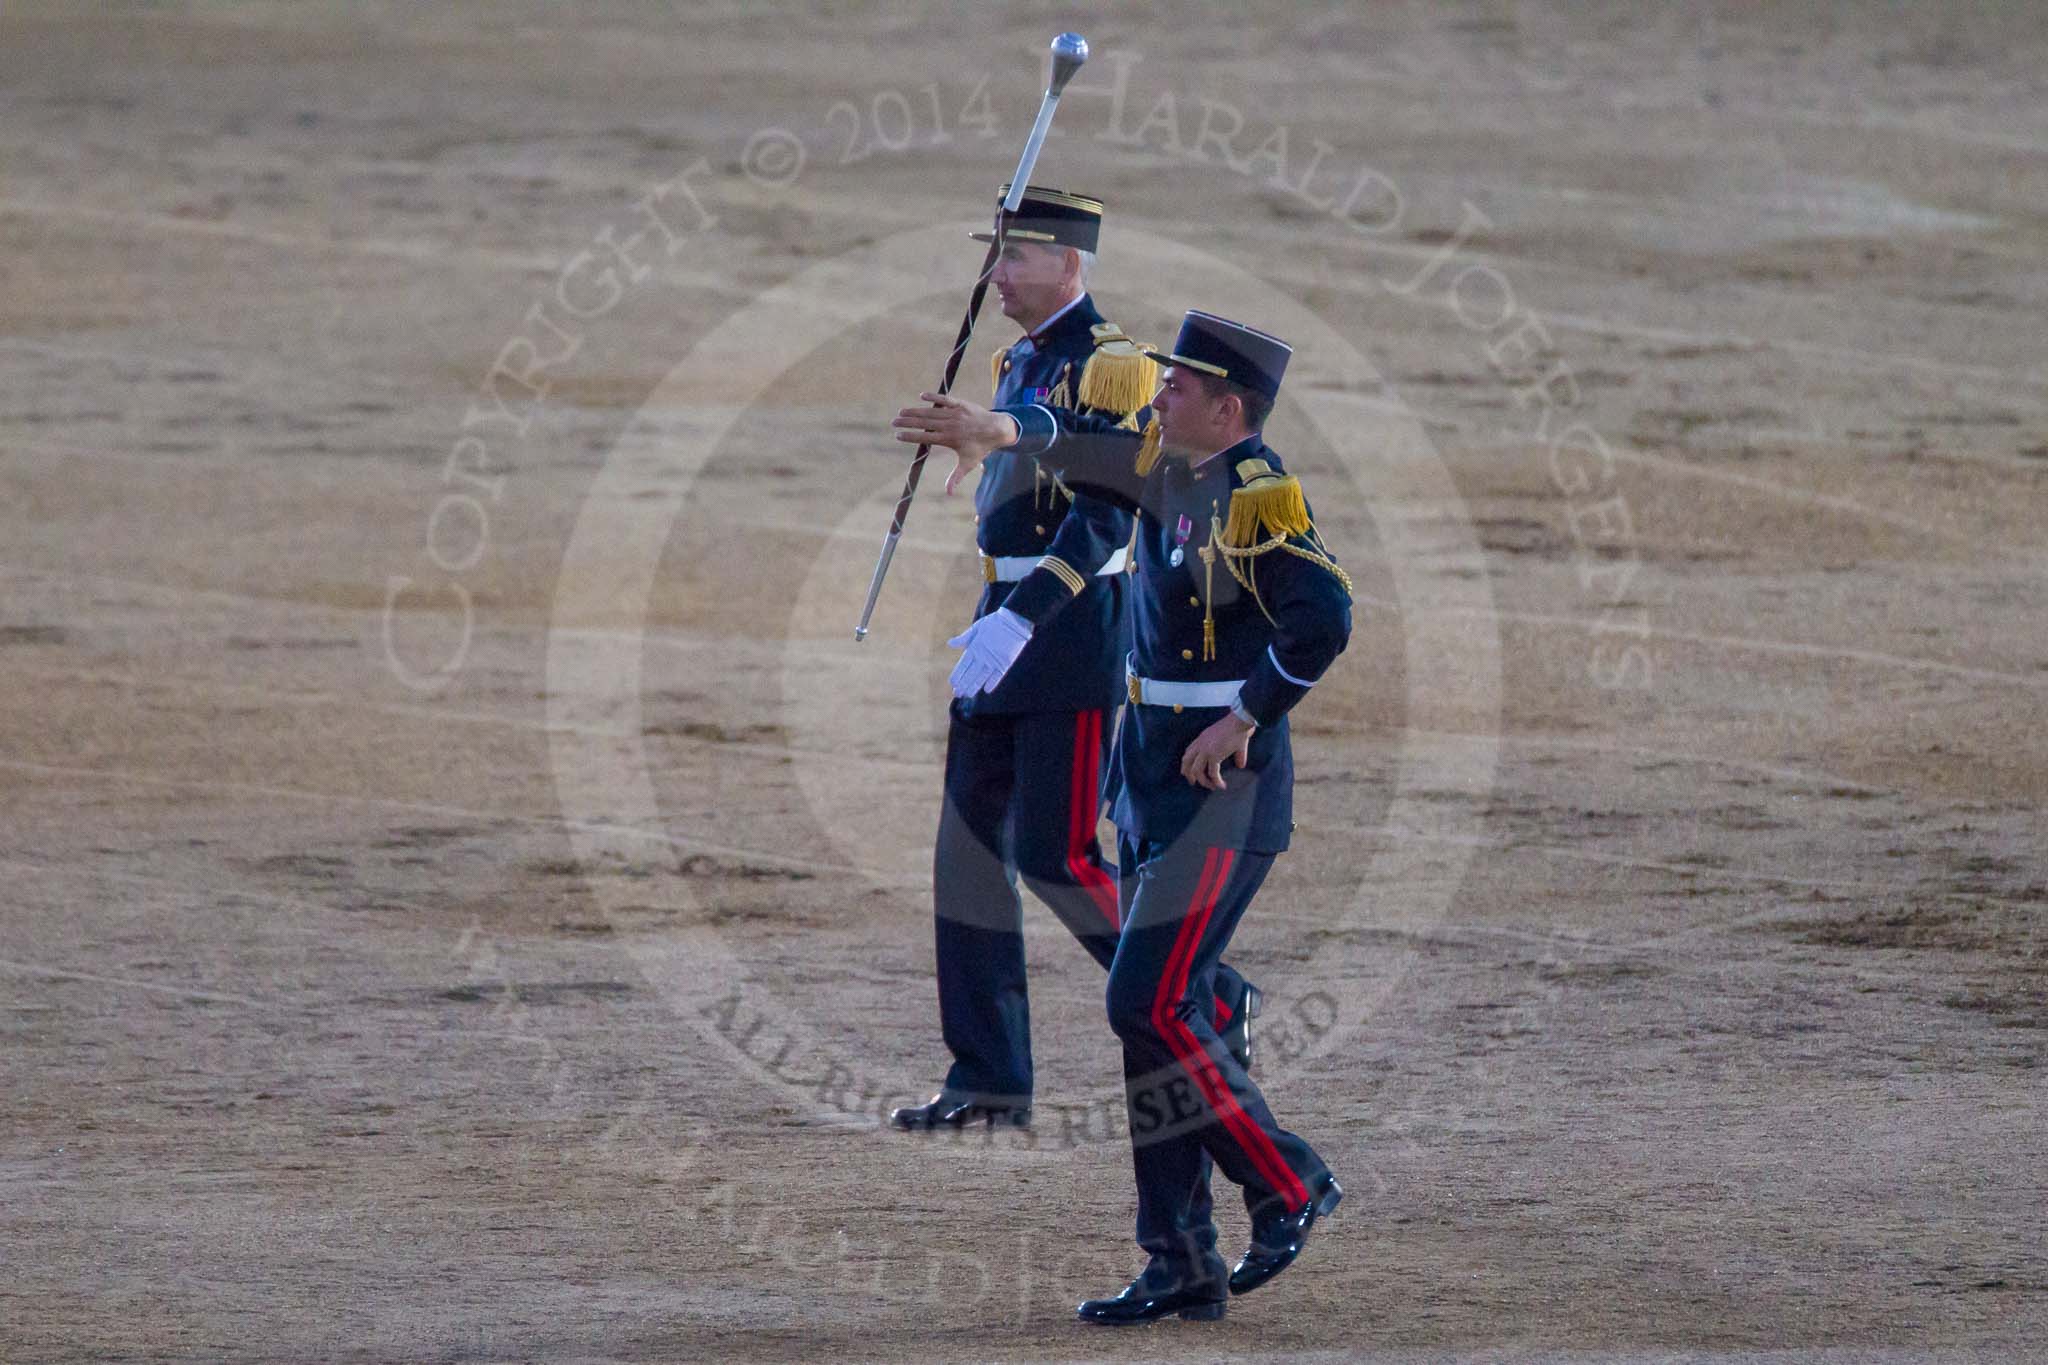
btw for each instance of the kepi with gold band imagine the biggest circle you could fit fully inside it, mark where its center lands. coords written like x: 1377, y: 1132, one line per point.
x: 1215, y: 346
x: 1050, y: 217
x: 1245, y: 356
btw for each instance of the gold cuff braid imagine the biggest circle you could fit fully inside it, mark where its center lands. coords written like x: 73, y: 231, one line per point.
x: 1065, y: 572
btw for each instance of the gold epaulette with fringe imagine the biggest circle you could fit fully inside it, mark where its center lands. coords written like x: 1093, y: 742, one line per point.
x: 1269, y: 503
x: 995, y: 371
x: 1119, y: 377
x: 1269, y: 512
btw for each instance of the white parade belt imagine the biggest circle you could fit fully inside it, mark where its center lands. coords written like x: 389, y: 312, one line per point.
x: 1153, y: 692
x: 1011, y: 568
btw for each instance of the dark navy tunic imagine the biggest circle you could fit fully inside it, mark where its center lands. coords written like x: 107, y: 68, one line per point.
x: 1277, y: 659
x: 1074, y: 661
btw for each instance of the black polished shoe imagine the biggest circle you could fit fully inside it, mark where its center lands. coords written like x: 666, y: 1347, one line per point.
x: 1279, y: 1238
x: 1237, y: 1034
x: 942, y: 1112
x: 1196, y: 1296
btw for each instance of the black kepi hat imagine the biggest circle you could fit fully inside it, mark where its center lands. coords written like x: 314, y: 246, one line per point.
x: 1229, y: 350
x: 1050, y: 217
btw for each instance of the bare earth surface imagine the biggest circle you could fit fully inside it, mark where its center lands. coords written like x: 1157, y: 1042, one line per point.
x: 466, y: 894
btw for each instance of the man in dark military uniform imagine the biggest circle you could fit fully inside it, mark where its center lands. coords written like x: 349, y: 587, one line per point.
x: 1237, y: 610
x: 1024, y: 756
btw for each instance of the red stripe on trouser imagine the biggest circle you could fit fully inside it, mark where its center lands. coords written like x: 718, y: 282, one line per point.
x: 1182, y: 1041
x: 1250, y: 1136
x: 1091, y: 799
x: 1259, y: 1148
x: 1181, y: 948
x: 1082, y: 786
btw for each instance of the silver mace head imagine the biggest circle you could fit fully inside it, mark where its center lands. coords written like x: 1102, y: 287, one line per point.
x: 1069, y: 50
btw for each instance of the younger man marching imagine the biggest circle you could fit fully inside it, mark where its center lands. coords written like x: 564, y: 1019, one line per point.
x: 1024, y: 753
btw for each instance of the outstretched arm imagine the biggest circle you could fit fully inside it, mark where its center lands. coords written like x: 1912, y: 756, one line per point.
x: 969, y: 431
x: 1093, y: 453
x: 1090, y: 452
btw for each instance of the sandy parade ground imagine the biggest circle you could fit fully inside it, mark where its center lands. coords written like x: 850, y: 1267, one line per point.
x: 468, y: 896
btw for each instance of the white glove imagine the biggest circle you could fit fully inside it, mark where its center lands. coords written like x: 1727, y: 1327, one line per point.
x: 990, y: 646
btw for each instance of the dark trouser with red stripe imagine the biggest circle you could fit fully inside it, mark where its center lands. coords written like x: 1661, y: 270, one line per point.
x: 1189, y: 1101
x: 1023, y: 795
